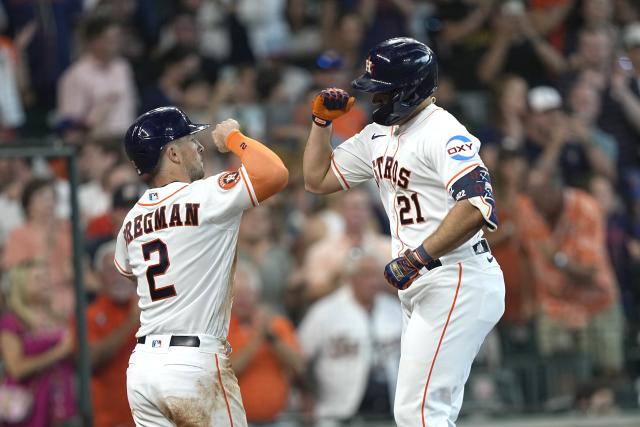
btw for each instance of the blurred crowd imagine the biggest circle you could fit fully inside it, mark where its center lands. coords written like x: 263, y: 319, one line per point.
x: 550, y: 87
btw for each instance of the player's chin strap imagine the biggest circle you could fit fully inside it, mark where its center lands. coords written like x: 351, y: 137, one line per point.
x: 476, y: 187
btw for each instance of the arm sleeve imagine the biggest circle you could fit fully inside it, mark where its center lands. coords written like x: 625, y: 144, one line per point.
x: 121, y: 258
x: 350, y: 162
x: 262, y: 166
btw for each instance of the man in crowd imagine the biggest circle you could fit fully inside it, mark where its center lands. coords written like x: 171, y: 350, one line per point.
x: 323, y: 263
x: 563, y: 232
x: 352, y: 339
x: 112, y: 321
x: 266, y: 356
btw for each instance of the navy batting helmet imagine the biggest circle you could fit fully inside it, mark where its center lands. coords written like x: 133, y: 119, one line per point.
x: 405, y: 69
x: 153, y: 130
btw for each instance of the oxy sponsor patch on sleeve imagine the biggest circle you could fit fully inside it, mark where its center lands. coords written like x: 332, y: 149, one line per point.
x: 228, y: 180
x: 461, y: 148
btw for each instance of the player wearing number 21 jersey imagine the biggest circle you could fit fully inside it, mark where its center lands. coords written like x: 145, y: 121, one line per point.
x: 437, y: 194
x: 179, y: 244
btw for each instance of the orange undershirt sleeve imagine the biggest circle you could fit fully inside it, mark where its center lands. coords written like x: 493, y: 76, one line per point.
x: 266, y: 171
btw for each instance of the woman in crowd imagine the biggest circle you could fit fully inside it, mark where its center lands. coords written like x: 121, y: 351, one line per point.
x: 43, y: 238
x: 35, y: 349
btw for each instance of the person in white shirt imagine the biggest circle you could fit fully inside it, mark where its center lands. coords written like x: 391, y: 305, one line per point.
x: 351, y: 337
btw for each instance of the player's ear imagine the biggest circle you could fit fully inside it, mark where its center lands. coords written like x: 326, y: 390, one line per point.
x: 173, y: 154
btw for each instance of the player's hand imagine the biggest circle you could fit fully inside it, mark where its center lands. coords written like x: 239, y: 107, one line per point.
x: 330, y: 104
x: 402, y: 271
x: 221, y: 132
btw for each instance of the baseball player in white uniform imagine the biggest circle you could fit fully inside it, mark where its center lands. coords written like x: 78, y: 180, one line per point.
x: 437, y: 194
x: 179, y: 243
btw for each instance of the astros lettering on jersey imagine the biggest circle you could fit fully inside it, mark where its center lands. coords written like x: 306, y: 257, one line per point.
x: 415, y: 170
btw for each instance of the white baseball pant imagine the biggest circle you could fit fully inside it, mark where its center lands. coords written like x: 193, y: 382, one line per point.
x: 183, y: 386
x: 446, y: 317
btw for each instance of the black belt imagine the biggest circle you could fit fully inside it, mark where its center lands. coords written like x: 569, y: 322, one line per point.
x: 176, y: 340
x: 481, y: 247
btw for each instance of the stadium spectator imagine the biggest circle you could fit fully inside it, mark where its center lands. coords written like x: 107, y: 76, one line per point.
x: 549, y: 18
x: 600, y: 148
x: 550, y: 143
x: 594, y: 15
x: 49, y: 54
x: 176, y: 65
x: 506, y: 128
x: 43, y: 238
x: 518, y: 48
x: 593, y: 54
x: 266, y: 356
x: 98, y: 88
x: 94, y: 162
x: 351, y: 338
x: 14, y: 173
x: 112, y: 320
x: 103, y: 228
x: 305, y: 39
x: 579, y: 310
x: 11, y: 109
x: 35, y: 349
x: 236, y: 95
x: 324, y: 261
x: 257, y: 246
x: 622, y: 246
x: 461, y: 33
x: 509, y: 249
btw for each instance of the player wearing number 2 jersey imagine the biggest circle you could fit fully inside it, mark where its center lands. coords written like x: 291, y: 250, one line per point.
x: 178, y: 243
x: 437, y: 194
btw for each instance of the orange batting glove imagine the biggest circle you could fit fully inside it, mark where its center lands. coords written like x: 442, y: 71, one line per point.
x: 330, y: 104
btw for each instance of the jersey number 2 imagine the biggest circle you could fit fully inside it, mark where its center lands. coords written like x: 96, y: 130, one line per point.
x: 405, y: 209
x: 157, y: 269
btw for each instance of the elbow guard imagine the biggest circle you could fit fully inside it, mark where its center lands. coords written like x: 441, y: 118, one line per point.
x: 476, y: 187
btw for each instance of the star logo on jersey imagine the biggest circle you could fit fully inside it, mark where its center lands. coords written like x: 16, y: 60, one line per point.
x: 228, y: 180
x: 460, y: 147
x: 368, y: 66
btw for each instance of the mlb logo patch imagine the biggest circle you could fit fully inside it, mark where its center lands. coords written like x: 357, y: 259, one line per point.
x: 156, y: 343
x: 153, y: 195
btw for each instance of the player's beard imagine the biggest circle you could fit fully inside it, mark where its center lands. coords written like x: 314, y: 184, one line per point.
x: 195, y: 171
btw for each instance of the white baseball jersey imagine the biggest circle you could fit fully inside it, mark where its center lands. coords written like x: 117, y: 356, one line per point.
x: 179, y: 241
x: 414, y: 169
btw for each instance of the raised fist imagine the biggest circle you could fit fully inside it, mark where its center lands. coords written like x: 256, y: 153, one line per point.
x: 330, y: 104
x: 221, y: 132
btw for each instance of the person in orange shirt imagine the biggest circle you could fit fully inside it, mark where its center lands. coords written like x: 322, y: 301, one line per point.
x: 579, y: 307
x: 266, y: 355
x: 112, y: 321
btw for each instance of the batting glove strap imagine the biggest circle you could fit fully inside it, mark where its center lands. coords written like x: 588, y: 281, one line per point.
x: 320, y: 121
x: 419, y: 257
